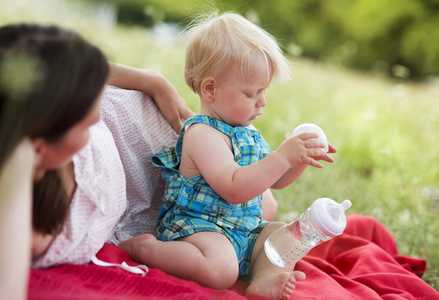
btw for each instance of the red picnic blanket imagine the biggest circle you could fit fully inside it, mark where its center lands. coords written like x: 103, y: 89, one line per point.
x: 362, y: 263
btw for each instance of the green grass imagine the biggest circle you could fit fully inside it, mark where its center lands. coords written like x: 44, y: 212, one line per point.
x: 386, y: 132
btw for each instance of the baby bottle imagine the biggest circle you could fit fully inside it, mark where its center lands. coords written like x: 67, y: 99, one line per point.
x: 323, y: 220
x: 310, y: 127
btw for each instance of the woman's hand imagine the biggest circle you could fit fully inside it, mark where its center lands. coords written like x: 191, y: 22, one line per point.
x: 172, y: 106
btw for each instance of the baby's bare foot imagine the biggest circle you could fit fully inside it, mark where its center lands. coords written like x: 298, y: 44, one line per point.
x: 134, y: 243
x: 277, y: 286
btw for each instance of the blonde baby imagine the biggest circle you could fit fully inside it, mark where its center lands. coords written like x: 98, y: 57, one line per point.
x: 210, y: 226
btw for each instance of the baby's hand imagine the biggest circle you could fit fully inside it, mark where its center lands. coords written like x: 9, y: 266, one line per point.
x: 303, y: 149
x: 325, y: 157
x: 332, y: 149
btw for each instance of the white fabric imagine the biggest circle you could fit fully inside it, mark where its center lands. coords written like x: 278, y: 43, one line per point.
x: 139, y: 269
x: 139, y: 131
x: 97, y: 204
x: 115, y: 178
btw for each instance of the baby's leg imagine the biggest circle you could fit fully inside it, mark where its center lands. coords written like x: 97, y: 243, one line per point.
x: 206, y: 257
x: 269, y: 280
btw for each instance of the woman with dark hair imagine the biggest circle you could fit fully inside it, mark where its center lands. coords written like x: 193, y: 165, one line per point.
x: 49, y: 94
x: 33, y: 95
x: 51, y: 82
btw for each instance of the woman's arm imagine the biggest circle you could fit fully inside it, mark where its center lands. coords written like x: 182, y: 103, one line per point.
x: 172, y: 106
x: 15, y: 221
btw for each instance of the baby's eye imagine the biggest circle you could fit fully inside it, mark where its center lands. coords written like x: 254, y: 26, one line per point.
x: 251, y: 95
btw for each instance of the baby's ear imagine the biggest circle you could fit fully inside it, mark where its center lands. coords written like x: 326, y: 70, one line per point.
x: 208, y: 89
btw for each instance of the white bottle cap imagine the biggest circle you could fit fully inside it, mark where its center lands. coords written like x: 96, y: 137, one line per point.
x: 330, y: 216
x: 309, y: 127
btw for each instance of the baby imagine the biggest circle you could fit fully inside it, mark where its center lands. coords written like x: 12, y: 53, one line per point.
x: 210, y: 226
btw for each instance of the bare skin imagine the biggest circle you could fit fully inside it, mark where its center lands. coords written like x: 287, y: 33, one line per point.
x: 196, y: 258
x: 171, y: 104
x: 209, y: 257
x: 205, y: 257
x: 269, y: 280
x: 15, y: 221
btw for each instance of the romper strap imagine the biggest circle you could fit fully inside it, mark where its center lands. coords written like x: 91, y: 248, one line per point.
x: 221, y: 126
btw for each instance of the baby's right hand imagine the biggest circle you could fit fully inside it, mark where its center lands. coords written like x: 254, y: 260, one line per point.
x: 303, y: 150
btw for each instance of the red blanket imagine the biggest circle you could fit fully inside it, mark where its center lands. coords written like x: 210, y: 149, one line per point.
x: 362, y: 263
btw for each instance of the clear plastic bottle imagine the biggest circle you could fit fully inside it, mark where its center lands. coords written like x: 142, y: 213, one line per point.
x: 323, y: 220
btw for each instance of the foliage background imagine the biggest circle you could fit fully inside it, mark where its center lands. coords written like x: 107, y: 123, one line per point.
x: 385, y: 129
x: 396, y: 37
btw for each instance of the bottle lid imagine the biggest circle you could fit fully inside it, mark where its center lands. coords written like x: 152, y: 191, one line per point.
x: 310, y: 127
x: 330, y: 216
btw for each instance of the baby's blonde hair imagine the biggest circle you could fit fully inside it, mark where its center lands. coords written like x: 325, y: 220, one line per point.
x: 216, y: 42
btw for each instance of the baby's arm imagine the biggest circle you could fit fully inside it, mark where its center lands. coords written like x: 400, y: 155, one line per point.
x: 269, y: 206
x: 153, y: 83
x: 209, y: 152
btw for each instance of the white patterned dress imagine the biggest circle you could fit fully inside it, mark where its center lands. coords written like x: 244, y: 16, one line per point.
x: 118, y: 193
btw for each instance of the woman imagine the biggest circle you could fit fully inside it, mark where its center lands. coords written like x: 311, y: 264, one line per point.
x: 51, y: 81
x: 45, y: 113
x: 21, y: 124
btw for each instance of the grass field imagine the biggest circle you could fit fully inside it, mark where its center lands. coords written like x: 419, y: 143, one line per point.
x: 386, y: 132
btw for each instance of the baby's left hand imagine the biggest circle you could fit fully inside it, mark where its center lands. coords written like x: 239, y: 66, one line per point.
x: 325, y: 156
x: 332, y: 149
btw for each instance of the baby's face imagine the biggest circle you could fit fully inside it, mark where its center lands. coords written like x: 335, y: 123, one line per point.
x: 239, y: 95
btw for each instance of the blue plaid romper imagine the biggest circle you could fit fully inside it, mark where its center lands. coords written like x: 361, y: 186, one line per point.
x: 191, y: 205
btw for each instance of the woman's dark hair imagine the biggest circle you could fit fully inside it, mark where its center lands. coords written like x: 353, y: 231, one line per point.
x: 49, y: 80
x: 51, y: 203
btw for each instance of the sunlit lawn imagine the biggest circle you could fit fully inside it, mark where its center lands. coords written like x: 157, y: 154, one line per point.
x: 386, y: 132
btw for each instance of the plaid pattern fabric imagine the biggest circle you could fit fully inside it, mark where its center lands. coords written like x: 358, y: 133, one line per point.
x: 191, y: 205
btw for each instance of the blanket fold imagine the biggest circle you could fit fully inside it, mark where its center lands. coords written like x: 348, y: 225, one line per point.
x: 362, y: 263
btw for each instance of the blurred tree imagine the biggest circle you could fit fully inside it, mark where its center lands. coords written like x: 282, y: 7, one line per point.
x: 387, y: 35
x: 382, y: 31
x: 137, y: 12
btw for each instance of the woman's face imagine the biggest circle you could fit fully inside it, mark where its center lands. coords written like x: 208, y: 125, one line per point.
x: 60, y: 153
